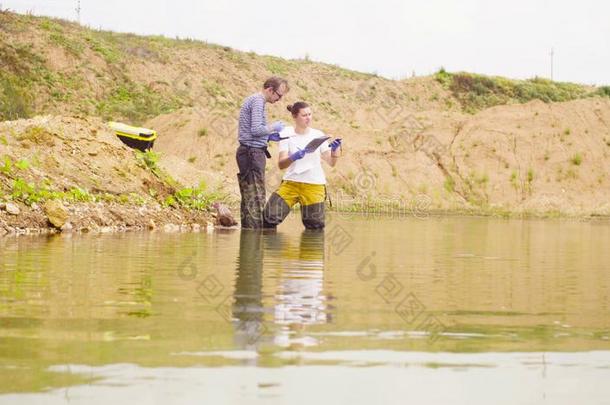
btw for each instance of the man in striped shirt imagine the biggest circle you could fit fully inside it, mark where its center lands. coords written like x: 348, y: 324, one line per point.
x: 253, y: 135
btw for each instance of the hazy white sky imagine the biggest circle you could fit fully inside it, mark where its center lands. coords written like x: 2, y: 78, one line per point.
x: 391, y: 37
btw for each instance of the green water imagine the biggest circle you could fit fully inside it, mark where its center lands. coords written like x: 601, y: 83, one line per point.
x: 373, y: 310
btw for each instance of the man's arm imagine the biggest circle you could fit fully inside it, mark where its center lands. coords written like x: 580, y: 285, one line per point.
x: 257, y: 126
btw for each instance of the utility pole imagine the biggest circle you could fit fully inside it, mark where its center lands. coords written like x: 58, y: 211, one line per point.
x: 552, y: 55
x: 78, y: 11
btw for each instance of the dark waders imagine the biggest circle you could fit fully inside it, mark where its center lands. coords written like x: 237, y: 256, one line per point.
x: 251, y: 162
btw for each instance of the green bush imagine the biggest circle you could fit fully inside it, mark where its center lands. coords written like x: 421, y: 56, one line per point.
x: 15, y: 99
x: 603, y: 91
x: 443, y: 77
x: 194, y: 198
x: 148, y: 159
x: 30, y: 193
x: 477, y: 92
x: 79, y: 194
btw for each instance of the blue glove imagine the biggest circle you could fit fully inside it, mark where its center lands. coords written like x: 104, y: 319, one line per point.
x: 334, y: 145
x: 277, y: 126
x: 298, y: 155
x: 274, y: 137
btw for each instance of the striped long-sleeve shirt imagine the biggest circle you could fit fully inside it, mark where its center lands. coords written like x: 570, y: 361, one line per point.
x: 252, y: 122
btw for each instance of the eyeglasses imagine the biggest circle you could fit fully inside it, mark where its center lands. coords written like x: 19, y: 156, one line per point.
x: 278, y: 94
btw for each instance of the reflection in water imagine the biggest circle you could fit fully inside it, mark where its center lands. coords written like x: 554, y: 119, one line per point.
x: 299, y: 299
x: 248, y: 303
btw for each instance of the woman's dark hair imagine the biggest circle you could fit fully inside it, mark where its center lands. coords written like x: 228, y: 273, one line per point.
x: 275, y: 82
x: 296, y: 107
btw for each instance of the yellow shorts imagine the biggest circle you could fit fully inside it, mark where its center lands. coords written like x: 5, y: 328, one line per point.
x: 293, y: 192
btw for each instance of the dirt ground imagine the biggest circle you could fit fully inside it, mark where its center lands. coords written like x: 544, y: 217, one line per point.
x: 81, y: 162
x: 407, y: 143
x: 536, y: 158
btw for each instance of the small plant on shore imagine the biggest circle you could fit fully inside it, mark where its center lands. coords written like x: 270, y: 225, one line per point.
x: 202, y: 132
x: 137, y: 199
x: 198, y: 198
x: 7, y: 165
x: 530, y: 180
x: 29, y: 192
x: 576, y: 159
x: 79, y: 194
x: 170, y: 201
x: 36, y: 135
x: 24, y: 191
x: 22, y: 164
x: 513, y: 180
x: 148, y: 159
x: 449, y: 184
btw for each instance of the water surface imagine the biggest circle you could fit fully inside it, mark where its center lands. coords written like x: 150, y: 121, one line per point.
x: 374, y: 310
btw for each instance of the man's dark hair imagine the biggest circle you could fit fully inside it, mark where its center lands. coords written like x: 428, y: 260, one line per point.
x: 275, y: 82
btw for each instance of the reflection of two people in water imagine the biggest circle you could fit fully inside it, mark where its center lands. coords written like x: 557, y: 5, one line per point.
x: 297, y: 299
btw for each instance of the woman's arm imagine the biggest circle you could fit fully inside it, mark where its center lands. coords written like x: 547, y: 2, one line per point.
x: 331, y: 155
x: 283, y: 160
x: 330, y: 158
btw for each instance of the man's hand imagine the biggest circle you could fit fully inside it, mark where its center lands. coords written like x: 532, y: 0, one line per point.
x: 274, y: 137
x: 277, y: 126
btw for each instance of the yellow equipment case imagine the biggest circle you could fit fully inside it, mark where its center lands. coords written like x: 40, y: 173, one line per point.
x: 142, y: 139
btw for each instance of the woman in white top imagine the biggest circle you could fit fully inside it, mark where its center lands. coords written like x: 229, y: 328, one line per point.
x: 304, y: 181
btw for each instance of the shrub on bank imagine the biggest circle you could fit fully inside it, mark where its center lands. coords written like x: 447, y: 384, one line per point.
x: 477, y: 92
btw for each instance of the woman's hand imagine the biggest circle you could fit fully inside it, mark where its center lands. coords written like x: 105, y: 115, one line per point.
x: 299, y: 154
x: 334, y: 145
x: 285, y: 159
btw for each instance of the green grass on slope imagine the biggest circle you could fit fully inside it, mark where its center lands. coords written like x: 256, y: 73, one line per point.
x: 477, y: 92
